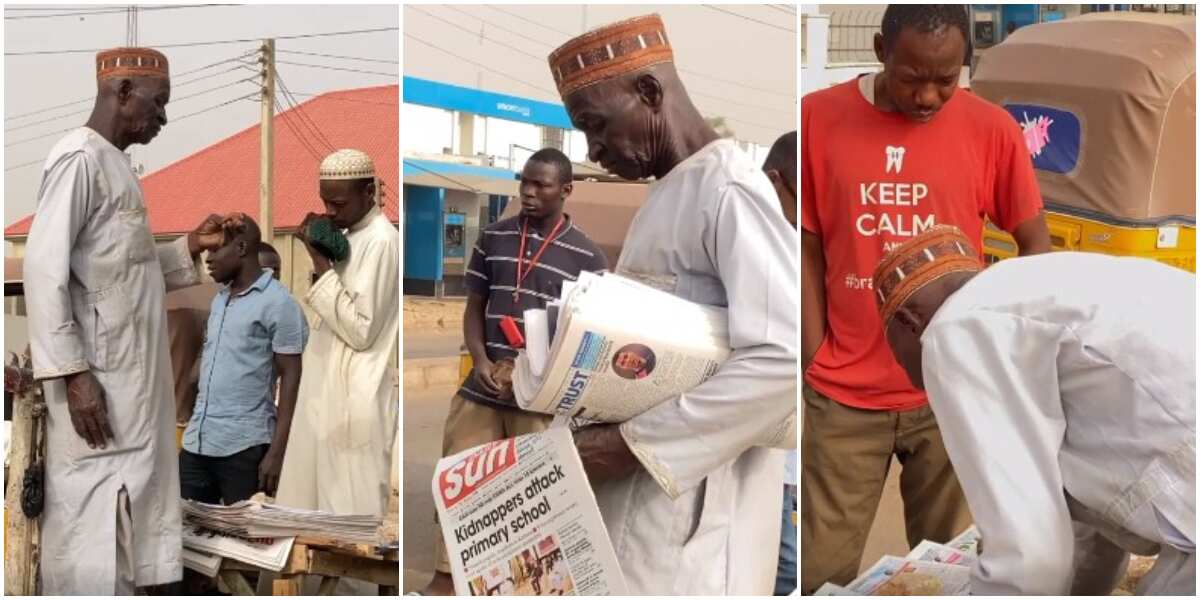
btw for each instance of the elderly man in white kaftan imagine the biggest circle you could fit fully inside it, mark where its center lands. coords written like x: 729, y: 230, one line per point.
x: 700, y: 513
x: 94, y: 283
x: 345, y: 424
x: 1065, y: 387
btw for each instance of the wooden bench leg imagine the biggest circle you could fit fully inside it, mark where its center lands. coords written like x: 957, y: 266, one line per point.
x: 286, y: 585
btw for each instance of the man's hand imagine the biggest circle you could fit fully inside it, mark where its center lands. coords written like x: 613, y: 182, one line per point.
x: 320, y: 262
x: 485, y: 377
x: 89, y: 412
x: 208, y: 236
x: 604, y: 453
x: 269, y: 468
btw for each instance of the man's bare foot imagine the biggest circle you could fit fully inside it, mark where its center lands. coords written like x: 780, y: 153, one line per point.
x: 441, y: 585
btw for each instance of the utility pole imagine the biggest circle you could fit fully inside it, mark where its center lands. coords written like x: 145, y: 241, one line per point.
x: 266, y: 177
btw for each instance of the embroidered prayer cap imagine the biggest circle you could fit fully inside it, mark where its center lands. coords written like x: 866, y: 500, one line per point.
x: 130, y: 62
x: 347, y: 163
x: 610, y: 51
x: 937, y: 252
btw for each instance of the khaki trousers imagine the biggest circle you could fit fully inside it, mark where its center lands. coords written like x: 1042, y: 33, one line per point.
x: 845, y: 455
x: 471, y: 424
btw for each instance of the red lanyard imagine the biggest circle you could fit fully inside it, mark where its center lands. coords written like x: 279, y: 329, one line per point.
x: 521, y: 275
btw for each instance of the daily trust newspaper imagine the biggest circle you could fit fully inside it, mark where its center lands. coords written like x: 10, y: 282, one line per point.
x: 519, y: 518
x: 611, y: 348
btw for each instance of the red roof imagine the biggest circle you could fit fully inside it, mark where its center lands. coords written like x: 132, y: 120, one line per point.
x: 224, y: 176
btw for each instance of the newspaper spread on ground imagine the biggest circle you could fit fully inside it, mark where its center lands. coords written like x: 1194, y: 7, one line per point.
x: 895, y: 576
x: 266, y: 553
x: 967, y: 542
x: 619, y: 348
x: 934, y: 552
x: 519, y: 518
x: 206, y: 564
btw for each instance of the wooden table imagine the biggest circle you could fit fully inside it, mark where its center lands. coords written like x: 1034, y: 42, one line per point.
x: 320, y: 557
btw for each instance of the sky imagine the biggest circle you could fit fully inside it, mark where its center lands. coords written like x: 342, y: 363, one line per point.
x: 737, y: 61
x: 36, y: 82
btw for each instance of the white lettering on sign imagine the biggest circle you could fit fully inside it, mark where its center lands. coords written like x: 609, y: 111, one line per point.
x: 898, y: 225
x: 514, y: 108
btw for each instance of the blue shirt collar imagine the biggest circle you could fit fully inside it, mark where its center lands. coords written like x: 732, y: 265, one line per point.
x: 259, y: 284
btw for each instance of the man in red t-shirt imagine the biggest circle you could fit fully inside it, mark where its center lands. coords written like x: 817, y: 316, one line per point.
x: 884, y: 158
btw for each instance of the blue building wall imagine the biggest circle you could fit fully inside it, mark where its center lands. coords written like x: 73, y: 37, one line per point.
x: 489, y: 104
x: 423, y: 207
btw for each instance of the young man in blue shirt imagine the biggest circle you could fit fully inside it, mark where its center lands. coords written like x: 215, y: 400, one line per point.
x: 235, y: 441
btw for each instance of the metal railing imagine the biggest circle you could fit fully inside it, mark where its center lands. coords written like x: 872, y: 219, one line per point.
x: 852, y: 35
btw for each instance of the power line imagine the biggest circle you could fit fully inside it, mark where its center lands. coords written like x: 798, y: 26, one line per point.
x: 541, y: 59
x: 374, y: 60
x: 480, y: 65
x: 215, y: 106
x: 751, y: 19
x: 87, y: 110
x: 342, y: 99
x: 790, y: 95
x: 480, y: 34
x: 292, y: 127
x: 214, y: 42
x: 93, y: 96
x: 175, y: 120
x: 782, y: 8
x: 525, y: 19
x: 23, y: 165
x: 331, y: 68
x: 304, y: 118
x: 105, y: 11
x: 447, y: 178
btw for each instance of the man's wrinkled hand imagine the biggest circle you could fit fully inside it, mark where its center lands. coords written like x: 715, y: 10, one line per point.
x: 604, y: 453
x: 88, y: 409
x: 268, y: 471
x: 208, y: 236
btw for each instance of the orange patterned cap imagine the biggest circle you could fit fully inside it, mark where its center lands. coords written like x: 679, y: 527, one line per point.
x: 937, y: 252
x: 610, y: 51
x: 130, y: 62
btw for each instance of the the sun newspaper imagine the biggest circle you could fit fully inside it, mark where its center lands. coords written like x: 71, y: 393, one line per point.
x: 519, y: 518
x: 612, y: 348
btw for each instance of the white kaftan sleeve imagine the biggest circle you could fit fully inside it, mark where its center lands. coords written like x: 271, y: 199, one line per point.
x: 179, y: 269
x: 64, y: 205
x: 355, y: 316
x: 752, y: 396
x: 992, y: 381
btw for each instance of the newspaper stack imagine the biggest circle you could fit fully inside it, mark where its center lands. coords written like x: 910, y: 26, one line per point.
x: 930, y: 569
x: 610, y: 348
x: 519, y: 518
x: 251, y: 519
x: 265, y: 553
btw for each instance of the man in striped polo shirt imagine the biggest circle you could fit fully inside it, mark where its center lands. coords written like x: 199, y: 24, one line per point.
x: 519, y: 263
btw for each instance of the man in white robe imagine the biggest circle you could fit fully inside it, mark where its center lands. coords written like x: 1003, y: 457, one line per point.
x: 95, y: 283
x: 345, y: 423
x: 1065, y: 387
x: 688, y: 490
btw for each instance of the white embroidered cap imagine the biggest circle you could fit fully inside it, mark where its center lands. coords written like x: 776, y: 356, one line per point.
x: 347, y: 164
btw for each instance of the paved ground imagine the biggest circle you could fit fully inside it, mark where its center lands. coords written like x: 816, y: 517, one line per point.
x: 434, y: 343
x: 887, y: 533
x: 424, y: 415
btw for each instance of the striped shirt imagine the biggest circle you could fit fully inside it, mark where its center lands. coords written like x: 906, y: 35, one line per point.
x: 492, y: 273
